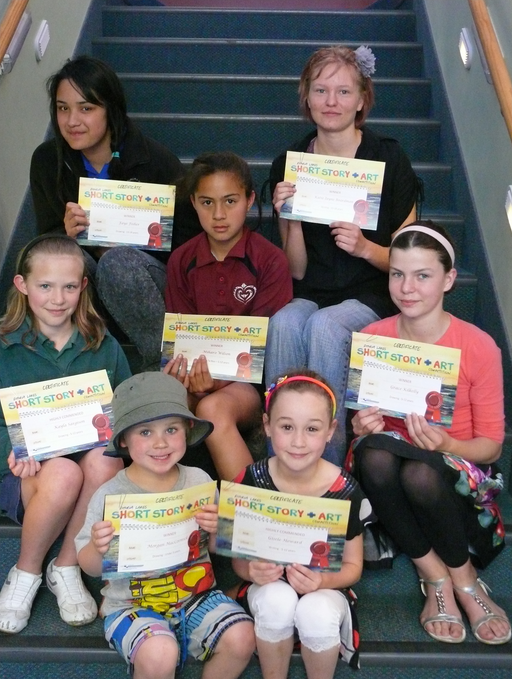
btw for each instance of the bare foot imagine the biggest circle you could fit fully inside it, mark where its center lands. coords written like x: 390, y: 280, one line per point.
x: 493, y: 630
x: 440, y: 603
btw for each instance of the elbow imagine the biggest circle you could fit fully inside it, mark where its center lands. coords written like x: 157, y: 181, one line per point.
x: 495, y: 455
x: 493, y: 450
x: 358, y: 573
x: 298, y: 273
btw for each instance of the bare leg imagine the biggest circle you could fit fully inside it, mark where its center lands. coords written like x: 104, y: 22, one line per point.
x: 232, y: 653
x: 156, y: 658
x: 274, y: 658
x: 320, y: 665
x: 49, y: 498
x: 235, y: 405
x: 465, y: 576
x: 96, y: 469
x: 431, y: 568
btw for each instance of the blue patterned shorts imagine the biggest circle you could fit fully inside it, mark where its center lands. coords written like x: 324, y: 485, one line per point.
x: 196, y: 627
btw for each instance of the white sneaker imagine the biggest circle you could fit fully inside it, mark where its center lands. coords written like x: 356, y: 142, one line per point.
x: 76, y: 605
x: 16, y: 599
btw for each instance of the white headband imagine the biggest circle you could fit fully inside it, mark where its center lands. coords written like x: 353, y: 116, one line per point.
x: 430, y: 232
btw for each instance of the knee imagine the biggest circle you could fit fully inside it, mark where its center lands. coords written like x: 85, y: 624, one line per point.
x: 156, y: 658
x: 238, y: 642
x: 324, y: 325
x: 118, y: 257
x: 208, y: 408
x: 377, y: 467
x: 279, y: 320
x: 318, y: 619
x: 61, y: 479
x: 273, y: 605
x: 219, y: 410
x: 420, y: 482
x: 290, y: 320
x: 319, y: 614
x: 98, y: 468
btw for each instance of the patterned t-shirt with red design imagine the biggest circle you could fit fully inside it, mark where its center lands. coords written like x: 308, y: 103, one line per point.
x: 253, y: 280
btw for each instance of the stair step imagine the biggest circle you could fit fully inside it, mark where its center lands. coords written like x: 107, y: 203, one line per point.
x: 272, y: 57
x: 264, y: 136
x: 257, y: 94
x: 279, y: 24
x: 389, y: 603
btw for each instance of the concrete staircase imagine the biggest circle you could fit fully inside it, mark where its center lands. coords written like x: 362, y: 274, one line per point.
x: 205, y: 79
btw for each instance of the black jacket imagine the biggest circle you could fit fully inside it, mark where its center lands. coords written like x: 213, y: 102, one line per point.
x: 144, y: 160
x: 332, y: 275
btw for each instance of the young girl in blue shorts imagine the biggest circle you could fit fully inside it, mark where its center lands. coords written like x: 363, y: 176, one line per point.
x: 51, y: 330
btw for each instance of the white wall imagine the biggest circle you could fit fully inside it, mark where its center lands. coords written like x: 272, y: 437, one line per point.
x: 485, y: 144
x: 24, y: 113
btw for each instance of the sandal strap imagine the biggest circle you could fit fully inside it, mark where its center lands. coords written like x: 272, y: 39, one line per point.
x: 442, y: 615
x: 438, y: 585
x: 486, y: 618
x: 471, y: 590
x: 488, y: 613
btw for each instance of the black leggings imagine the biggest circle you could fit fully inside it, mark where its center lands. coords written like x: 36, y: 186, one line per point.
x: 415, y: 505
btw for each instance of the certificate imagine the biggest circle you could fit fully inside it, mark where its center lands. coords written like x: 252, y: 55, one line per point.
x: 331, y: 189
x: 402, y: 377
x: 58, y: 417
x: 233, y: 345
x: 255, y: 523
x: 155, y: 532
x: 127, y: 213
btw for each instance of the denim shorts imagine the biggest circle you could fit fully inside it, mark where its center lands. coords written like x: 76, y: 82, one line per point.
x: 10, y: 498
x: 11, y: 504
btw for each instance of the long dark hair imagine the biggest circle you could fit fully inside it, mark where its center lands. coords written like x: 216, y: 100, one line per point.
x: 99, y: 85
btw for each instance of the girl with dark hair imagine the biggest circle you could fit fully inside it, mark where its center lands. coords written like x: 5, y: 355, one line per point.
x: 339, y: 271
x: 433, y: 488
x: 50, y: 331
x: 93, y: 137
x: 231, y: 271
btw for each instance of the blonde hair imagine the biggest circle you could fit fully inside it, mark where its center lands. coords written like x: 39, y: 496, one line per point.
x: 339, y: 56
x: 89, y: 323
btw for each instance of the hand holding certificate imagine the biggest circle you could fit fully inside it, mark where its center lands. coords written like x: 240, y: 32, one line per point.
x: 255, y: 523
x: 330, y: 189
x: 234, y: 346
x: 58, y: 417
x: 403, y: 377
x: 154, y: 532
x: 127, y: 213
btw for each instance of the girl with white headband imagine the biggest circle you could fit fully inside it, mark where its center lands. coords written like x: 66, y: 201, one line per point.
x: 433, y: 488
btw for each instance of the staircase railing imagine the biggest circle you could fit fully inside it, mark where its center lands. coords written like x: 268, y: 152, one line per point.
x: 497, y: 66
x: 9, y: 24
